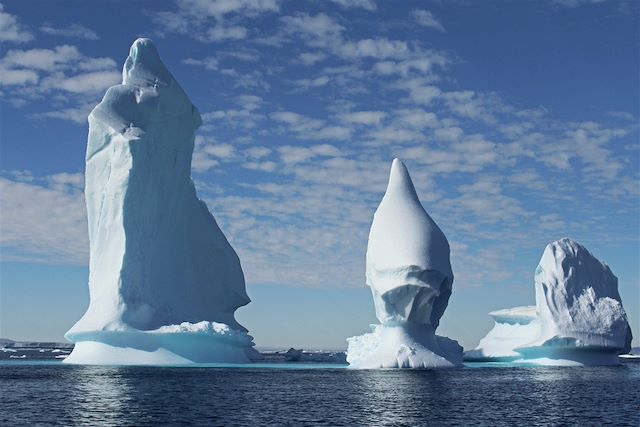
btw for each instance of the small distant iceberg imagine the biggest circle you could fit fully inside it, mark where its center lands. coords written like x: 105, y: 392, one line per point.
x: 409, y: 273
x: 164, y: 282
x: 578, y: 318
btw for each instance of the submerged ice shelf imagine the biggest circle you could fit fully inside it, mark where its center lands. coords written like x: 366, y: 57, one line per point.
x: 409, y: 273
x: 164, y: 282
x: 578, y: 318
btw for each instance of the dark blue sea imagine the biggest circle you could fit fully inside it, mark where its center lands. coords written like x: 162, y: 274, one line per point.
x: 478, y: 395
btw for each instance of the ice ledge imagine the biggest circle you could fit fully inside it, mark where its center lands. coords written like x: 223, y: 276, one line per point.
x: 185, y: 343
x: 402, y: 346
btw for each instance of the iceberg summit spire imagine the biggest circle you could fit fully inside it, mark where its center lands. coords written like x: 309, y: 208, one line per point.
x: 409, y: 273
x: 164, y: 282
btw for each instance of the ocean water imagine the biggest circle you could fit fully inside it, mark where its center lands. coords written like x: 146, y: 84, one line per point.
x: 51, y: 393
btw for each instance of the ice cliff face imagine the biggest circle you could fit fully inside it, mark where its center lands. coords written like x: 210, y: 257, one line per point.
x: 409, y: 273
x: 577, y: 299
x: 579, y: 314
x: 157, y: 256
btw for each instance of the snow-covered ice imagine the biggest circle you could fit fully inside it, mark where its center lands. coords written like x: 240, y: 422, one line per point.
x: 513, y: 328
x: 409, y: 273
x: 164, y: 282
x: 578, y: 318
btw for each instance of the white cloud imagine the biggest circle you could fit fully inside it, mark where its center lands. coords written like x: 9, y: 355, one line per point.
x: 208, y: 20
x: 70, y: 80
x: 379, y: 48
x: 208, y: 63
x: 320, y: 30
x: 209, y: 153
x: 297, y: 122
x: 312, y: 83
x: 266, y: 166
x: 17, y: 77
x: 75, y: 114
x: 25, y: 67
x: 295, y: 154
x: 44, y: 222
x: 221, y: 33
x: 421, y: 91
x: 469, y: 104
x: 72, y: 31
x: 311, y: 58
x: 363, y: 117
x: 221, y: 151
x: 426, y: 19
x: 247, y: 80
x: 42, y: 59
x: 369, y: 5
x: 257, y: 152
x: 586, y: 141
x: 11, y: 30
x: 423, y: 65
x: 576, y: 3
x: 309, y: 128
x: 86, y: 83
x: 417, y: 118
x: 219, y: 9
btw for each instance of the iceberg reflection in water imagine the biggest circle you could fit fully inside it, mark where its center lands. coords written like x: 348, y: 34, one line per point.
x: 149, y: 396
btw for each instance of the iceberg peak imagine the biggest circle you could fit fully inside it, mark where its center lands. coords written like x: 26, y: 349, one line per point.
x: 164, y: 282
x: 148, y: 94
x: 403, y: 233
x: 400, y: 182
x: 578, y: 317
x: 409, y: 274
x: 144, y: 67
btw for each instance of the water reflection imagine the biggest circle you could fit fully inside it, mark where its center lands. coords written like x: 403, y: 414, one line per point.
x: 77, y: 395
x: 100, y: 395
x: 404, y: 397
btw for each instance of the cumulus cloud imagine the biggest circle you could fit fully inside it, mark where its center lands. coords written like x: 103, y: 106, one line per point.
x: 71, y: 31
x: 294, y: 179
x: 44, y: 221
x: 28, y: 75
x: 369, y: 5
x: 212, y: 20
x: 11, y: 30
x: 425, y: 18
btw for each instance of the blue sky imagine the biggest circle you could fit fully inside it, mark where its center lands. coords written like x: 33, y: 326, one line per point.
x: 518, y: 121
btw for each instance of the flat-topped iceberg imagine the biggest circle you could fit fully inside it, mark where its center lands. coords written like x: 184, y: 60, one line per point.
x: 513, y: 328
x: 164, y: 282
x: 578, y: 318
x: 410, y: 276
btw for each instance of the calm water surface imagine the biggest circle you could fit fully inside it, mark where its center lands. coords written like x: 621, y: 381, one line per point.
x: 56, y: 394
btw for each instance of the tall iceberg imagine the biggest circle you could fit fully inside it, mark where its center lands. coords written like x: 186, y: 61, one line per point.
x: 409, y: 273
x: 578, y: 319
x: 164, y: 282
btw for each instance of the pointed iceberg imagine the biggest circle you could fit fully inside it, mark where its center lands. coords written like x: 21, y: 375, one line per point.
x: 164, y: 282
x: 409, y: 273
x: 579, y: 318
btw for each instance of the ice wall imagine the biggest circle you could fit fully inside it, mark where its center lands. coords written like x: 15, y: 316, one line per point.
x: 579, y: 314
x: 409, y: 273
x: 157, y: 257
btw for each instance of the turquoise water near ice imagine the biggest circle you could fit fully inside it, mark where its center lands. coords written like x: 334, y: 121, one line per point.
x: 51, y: 393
